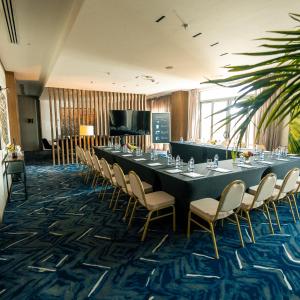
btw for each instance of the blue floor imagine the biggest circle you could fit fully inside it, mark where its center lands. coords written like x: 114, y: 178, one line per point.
x: 64, y: 243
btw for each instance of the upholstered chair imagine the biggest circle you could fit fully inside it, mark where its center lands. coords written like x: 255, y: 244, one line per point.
x: 264, y: 193
x: 155, y: 202
x: 212, y: 210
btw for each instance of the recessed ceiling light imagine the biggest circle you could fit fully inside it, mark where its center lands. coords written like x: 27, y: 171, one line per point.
x: 197, y: 34
x: 137, y: 85
x: 92, y: 82
x: 124, y: 85
x: 223, y: 54
x: 107, y: 73
x: 113, y: 83
x: 227, y: 66
x: 169, y: 67
x: 28, y: 44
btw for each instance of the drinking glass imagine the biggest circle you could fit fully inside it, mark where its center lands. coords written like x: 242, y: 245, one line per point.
x: 209, y: 163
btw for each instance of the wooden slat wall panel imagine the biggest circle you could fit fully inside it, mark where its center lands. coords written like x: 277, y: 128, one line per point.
x: 70, y: 108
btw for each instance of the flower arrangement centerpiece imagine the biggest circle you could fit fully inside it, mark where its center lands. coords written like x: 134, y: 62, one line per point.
x: 246, y: 155
x: 11, y: 148
x: 212, y: 142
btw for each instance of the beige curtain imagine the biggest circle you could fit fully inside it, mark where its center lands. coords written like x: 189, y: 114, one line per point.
x: 160, y: 104
x: 271, y: 136
x: 194, y: 115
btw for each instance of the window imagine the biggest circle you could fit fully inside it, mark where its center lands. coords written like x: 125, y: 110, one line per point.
x: 210, y: 126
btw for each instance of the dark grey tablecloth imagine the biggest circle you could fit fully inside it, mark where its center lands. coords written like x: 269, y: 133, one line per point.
x: 186, y: 189
x: 200, y: 153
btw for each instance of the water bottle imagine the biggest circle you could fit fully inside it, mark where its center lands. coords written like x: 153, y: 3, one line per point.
x: 216, y: 160
x: 169, y: 158
x: 152, y: 155
x: 262, y: 155
x: 177, y: 163
x: 191, y: 165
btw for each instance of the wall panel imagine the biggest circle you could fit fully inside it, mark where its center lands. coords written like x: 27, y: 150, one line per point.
x: 71, y: 108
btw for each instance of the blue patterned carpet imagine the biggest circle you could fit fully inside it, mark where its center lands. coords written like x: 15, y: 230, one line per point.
x: 64, y: 243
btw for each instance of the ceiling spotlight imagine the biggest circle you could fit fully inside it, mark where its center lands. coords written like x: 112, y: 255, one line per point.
x: 113, y: 83
x: 92, y: 82
x: 169, y: 67
x: 107, y: 73
x: 159, y: 19
x: 197, y: 34
x: 214, y: 44
x: 223, y: 54
x: 227, y: 66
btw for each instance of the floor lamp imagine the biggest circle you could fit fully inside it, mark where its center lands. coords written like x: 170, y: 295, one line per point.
x: 86, y: 130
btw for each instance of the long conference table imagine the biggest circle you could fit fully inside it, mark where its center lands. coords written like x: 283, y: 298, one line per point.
x: 186, y: 189
x: 200, y: 152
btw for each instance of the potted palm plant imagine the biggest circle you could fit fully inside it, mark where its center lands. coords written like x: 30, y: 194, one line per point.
x: 274, y: 80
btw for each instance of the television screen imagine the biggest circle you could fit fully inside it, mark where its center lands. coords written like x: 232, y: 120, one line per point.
x: 129, y: 122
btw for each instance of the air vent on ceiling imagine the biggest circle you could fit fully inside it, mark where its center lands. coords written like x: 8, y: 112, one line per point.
x: 10, y: 20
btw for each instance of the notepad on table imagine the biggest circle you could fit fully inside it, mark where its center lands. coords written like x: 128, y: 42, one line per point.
x: 140, y: 159
x: 193, y: 174
x: 246, y: 166
x: 266, y: 162
x: 221, y: 170
x: 127, y: 155
x: 282, y: 159
x: 154, y: 164
x: 115, y: 151
x: 173, y: 171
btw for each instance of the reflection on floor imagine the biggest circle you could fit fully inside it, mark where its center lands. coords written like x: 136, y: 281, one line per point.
x: 63, y: 243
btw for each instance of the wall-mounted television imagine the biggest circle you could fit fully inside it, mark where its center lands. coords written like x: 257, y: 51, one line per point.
x: 129, y: 122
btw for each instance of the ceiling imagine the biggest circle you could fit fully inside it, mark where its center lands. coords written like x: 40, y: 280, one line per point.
x: 116, y: 45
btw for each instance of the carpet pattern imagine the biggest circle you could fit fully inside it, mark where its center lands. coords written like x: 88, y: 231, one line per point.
x: 64, y: 243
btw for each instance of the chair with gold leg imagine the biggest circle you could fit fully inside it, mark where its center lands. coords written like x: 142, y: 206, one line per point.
x: 125, y: 188
x: 283, y: 191
x: 98, y: 171
x: 264, y: 193
x: 109, y: 180
x: 90, y: 165
x: 289, y: 186
x: 212, y: 210
x: 155, y: 202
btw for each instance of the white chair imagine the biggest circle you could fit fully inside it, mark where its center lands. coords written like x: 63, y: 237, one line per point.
x: 109, y: 179
x: 263, y: 194
x: 287, y: 187
x: 153, y: 202
x: 98, y: 171
x: 212, y: 210
x: 125, y: 188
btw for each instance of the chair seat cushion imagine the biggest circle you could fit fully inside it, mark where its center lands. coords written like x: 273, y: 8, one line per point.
x: 147, y: 188
x: 206, y: 208
x: 159, y: 200
x: 248, y: 200
x: 253, y: 189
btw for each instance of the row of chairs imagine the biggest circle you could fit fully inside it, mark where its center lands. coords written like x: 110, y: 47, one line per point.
x: 159, y: 204
x: 235, y: 203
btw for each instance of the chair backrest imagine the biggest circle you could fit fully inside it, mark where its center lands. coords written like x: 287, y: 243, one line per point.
x: 89, y: 158
x: 232, y: 196
x: 106, y: 170
x: 290, y: 181
x: 137, y: 187
x: 83, y: 156
x: 46, y: 144
x: 265, y: 188
x: 96, y: 163
x: 120, y: 177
